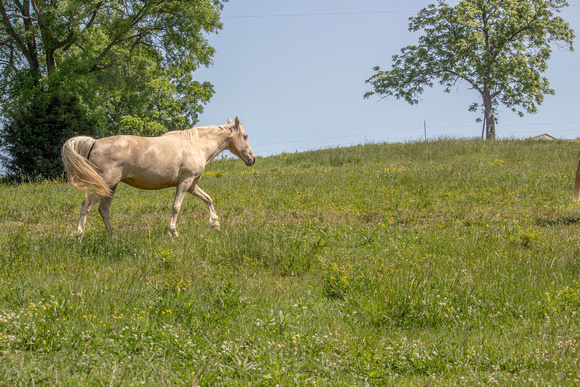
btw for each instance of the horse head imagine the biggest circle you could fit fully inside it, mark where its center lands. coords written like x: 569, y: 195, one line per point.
x: 239, y: 144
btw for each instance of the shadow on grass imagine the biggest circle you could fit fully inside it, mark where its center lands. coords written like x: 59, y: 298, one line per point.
x: 562, y: 221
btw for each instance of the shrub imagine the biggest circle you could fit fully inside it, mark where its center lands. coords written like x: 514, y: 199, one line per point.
x: 35, y: 129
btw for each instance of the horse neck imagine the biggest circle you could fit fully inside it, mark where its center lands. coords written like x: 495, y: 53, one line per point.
x: 213, y: 140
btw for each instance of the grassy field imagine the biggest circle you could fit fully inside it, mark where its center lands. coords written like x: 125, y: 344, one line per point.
x: 438, y: 263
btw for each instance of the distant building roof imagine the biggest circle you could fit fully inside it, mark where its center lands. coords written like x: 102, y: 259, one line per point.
x: 543, y: 136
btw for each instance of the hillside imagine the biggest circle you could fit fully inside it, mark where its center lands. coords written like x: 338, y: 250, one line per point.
x: 438, y: 263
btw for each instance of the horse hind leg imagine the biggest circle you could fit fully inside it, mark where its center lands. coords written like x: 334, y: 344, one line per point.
x: 86, y: 207
x: 179, y: 195
x: 104, y: 207
x: 213, y: 218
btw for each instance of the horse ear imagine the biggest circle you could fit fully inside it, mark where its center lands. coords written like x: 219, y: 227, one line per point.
x: 237, y: 122
x: 229, y: 120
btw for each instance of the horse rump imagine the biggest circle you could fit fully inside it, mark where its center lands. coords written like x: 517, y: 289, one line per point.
x: 80, y: 172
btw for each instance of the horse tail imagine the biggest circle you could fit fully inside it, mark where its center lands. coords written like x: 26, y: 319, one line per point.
x: 79, y: 170
x: 577, y: 182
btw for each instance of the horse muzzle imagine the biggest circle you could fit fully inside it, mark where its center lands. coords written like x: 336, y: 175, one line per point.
x: 251, y: 161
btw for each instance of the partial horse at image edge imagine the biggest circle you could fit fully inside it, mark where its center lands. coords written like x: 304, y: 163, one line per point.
x: 175, y: 159
x: 577, y: 182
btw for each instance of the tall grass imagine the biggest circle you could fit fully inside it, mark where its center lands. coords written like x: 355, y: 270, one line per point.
x: 437, y: 263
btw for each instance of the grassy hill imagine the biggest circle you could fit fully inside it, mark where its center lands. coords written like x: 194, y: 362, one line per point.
x: 437, y: 263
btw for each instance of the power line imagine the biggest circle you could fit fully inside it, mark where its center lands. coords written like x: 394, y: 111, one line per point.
x: 335, y: 137
x: 409, y: 129
x: 418, y: 137
x: 329, y: 14
x: 316, y: 14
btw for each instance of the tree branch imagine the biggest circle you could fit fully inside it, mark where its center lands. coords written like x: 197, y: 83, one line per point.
x: 42, y: 21
x: 516, y: 34
x: 119, y: 39
x: 10, y: 29
x: 25, y: 48
x: 68, y: 44
x: 25, y: 17
x: 30, y: 40
x: 94, y: 16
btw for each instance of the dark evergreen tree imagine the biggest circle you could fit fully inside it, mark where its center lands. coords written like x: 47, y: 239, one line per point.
x: 34, y: 132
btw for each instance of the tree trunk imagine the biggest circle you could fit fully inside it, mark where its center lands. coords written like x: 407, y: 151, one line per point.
x: 489, y: 119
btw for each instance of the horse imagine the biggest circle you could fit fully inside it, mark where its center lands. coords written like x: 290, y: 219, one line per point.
x: 174, y: 159
x: 577, y: 182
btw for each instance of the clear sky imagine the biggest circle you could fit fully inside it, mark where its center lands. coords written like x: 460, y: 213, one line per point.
x: 294, y: 72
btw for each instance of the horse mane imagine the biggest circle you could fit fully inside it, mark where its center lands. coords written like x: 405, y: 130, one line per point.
x: 192, y: 134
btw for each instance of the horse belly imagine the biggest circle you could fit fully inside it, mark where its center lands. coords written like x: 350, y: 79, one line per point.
x: 150, y: 178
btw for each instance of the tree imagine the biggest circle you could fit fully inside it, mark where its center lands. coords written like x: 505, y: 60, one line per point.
x: 33, y: 135
x: 500, y: 48
x: 128, y: 63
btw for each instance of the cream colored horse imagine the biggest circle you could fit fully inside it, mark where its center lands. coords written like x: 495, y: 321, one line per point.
x: 175, y: 159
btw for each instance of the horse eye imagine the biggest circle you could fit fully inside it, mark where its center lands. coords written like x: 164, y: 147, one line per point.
x: 245, y: 136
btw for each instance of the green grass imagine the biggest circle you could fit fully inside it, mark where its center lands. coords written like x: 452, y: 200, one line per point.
x: 438, y: 263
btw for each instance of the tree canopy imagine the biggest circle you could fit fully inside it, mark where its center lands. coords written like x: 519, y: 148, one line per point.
x: 500, y: 48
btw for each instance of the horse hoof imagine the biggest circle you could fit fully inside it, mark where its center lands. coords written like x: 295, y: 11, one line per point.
x: 216, y: 227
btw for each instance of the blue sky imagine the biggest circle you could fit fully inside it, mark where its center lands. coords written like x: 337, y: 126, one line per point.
x: 294, y: 72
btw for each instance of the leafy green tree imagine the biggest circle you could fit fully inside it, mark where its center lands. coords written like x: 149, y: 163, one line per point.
x: 128, y: 63
x: 500, y: 48
x: 33, y: 134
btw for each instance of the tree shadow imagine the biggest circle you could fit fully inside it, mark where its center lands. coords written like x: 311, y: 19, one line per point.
x: 562, y: 221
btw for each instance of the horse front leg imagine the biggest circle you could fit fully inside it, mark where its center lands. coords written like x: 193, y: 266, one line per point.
x: 86, y: 207
x: 179, y: 195
x: 213, y: 218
